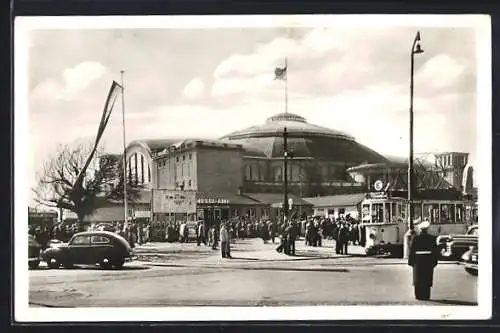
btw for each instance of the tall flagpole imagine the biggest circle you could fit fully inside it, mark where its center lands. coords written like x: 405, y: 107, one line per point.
x: 124, y: 152
x: 286, y: 85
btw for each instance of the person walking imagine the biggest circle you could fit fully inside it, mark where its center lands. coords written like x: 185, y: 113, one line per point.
x: 291, y: 236
x: 225, y: 242
x: 200, y: 233
x: 423, y: 258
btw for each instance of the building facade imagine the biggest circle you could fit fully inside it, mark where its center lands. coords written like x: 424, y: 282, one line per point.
x: 232, y: 175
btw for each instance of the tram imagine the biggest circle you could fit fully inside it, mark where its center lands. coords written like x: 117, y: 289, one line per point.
x: 385, y: 219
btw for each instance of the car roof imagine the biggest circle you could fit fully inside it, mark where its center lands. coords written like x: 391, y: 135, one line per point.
x: 101, y: 233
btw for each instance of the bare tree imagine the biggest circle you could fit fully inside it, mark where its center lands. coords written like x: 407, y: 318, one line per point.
x: 102, y: 180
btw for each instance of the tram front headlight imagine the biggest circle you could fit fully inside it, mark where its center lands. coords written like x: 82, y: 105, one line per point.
x: 372, y: 236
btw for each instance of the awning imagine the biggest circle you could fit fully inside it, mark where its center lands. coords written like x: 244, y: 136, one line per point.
x: 343, y: 200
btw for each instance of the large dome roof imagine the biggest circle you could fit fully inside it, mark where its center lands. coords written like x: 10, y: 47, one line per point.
x: 295, y: 126
x: 305, y: 140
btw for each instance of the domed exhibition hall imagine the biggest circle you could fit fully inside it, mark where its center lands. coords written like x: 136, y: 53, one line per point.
x: 241, y: 173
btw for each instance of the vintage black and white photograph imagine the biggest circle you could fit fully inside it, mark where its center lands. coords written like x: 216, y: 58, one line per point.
x: 253, y: 168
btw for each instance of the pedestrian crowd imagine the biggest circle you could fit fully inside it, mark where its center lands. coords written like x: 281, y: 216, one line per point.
x: 344, y: 230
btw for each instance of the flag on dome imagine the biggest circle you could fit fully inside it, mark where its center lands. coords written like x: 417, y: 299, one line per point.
x: 280, y: 73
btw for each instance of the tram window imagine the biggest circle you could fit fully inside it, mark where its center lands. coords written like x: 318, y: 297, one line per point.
x: 377, y: 213
x: 394, y: 214
x: 459, y: 213
x: 417, y: 212
x: 387, y: 212
x: 446, y: 216
x: 402, y: 212
x: 366, y: 213
x: 431, y: 213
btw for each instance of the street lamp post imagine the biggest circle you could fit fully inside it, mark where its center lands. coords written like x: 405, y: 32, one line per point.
x: 415, y: 49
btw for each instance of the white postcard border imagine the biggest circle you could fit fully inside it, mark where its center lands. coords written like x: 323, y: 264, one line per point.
x: 23, y: 312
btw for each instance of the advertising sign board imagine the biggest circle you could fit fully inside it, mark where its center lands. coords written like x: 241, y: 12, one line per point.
x: 172, y: 201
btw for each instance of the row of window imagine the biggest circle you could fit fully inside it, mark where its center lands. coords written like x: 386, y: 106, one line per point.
x: 396, y: 212
x: 294, y: 173
x: 87, y: 240
x: 178, y: 159
x: 448, y: 160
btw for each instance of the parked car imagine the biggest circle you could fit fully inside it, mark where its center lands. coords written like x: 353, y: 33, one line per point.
x: 102, y: 248
x: 470, y: 260
x: 454, y: 246
x: 34, y: 250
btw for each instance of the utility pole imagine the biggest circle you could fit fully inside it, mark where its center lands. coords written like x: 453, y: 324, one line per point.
x: 285, y: 175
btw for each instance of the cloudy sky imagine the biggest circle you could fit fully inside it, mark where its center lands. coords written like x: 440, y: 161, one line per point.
x: 208, y: 82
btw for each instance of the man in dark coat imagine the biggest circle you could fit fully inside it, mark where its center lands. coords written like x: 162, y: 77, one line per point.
x: 341, y: 243
x: 291, y: 234
x: 423, y: 257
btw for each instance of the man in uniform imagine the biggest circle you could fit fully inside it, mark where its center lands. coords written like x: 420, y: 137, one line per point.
x: 423, y: 257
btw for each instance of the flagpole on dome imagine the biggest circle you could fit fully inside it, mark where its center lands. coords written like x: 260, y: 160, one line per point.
x: 286, y: 85
x: 125, y: 201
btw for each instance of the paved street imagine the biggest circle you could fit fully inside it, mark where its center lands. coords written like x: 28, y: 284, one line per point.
x: 184, y: 274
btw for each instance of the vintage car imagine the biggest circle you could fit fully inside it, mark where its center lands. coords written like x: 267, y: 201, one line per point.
x: 34, y: 250
x: 102, y: 248
x: 454, y: 246
x: 470, y: 260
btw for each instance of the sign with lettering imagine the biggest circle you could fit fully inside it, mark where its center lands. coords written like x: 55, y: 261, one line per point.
x: 142, y: 213
x: 212, y: 201
x: 172, y: 201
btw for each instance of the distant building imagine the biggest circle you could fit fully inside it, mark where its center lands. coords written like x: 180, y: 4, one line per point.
x: 452, y: 165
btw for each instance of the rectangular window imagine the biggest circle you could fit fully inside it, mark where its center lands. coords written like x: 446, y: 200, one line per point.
x: 459, y: 213
x: 377, y: 213
x: 446, y: 213
x: 417, y: 211
x: 387, y: 212
x: 403, y: 209
x: 190, y: 156
x: 394, y: 215
x: 365, y: 211
x: 190, y: 183
x: 430, y: 213
x: 183, y: 157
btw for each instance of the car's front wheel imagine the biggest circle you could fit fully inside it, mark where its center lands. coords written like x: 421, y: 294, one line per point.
x: 53, y: 263
x: 106, y: 263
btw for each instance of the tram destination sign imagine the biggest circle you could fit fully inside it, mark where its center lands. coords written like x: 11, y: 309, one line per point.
x: 171, y: 201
